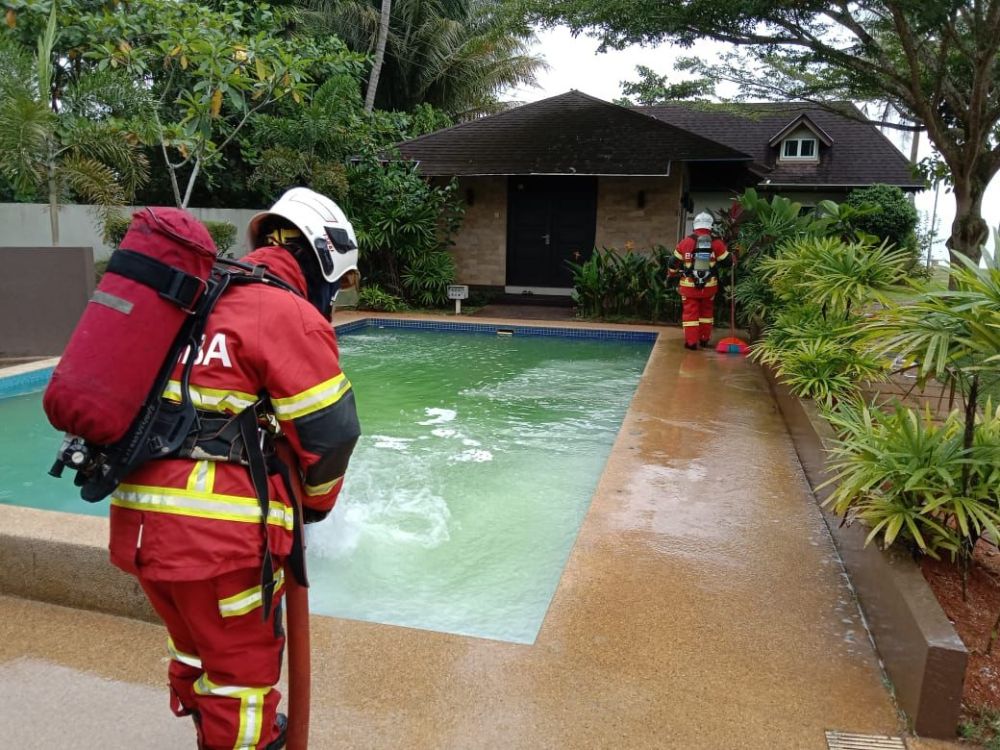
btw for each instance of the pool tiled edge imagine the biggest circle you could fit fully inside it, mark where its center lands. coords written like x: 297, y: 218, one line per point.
x: 492, y: 328
x: 16, y: 381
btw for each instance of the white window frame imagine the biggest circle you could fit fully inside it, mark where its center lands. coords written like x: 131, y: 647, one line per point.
x: 798, y: 141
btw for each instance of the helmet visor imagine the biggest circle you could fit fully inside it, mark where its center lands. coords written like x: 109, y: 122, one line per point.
x: 340, y: 239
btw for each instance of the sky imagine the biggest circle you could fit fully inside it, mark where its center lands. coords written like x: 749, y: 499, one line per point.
x: 574, y: 63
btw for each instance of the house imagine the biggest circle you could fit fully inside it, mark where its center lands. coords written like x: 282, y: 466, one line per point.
x: 547, y: 182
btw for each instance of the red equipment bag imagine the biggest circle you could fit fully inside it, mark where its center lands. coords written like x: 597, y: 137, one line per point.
x: 128, y: 330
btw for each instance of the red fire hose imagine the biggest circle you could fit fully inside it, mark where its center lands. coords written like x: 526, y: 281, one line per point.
x: 297, y: 613
x: 299, y: 664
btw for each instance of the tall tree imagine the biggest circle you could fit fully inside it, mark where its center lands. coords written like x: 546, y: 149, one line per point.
x: 937, y: 62
x: 212, y: 69
x: 383, y: 37
x: 456, y: 55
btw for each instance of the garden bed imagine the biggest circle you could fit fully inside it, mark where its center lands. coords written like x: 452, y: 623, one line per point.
x: 974, y: 618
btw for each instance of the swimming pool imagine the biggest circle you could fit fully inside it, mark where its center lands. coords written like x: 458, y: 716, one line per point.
x: 464, y: 497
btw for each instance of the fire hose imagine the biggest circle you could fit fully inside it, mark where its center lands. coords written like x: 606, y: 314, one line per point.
x: 297, y: 614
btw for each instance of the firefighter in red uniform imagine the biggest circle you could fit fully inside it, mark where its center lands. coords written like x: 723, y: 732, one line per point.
x: 191, y: 527
x: 697, y: 259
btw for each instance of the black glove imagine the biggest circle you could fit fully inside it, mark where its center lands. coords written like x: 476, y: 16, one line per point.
x: 310, y: 515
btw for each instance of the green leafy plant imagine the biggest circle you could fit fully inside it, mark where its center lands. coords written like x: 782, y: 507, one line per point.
x: 426, y: 278
x: 913, y: 479
x: 373, y: 297
x: 834, y: 274
x: 629, y: 285
x: 818, y: 356
x: 887, y: 213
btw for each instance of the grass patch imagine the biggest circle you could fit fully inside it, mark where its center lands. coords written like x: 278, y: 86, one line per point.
x: 982, y: 727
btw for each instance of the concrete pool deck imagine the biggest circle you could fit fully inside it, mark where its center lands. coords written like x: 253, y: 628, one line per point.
x: 703, y: 606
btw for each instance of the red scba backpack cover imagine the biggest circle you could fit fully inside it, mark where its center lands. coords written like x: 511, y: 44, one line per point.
x: 127, y: 330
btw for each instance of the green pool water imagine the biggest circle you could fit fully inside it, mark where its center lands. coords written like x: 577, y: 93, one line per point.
x: 464, y: 497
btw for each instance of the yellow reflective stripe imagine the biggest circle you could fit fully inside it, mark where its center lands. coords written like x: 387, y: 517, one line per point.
x: 211, y: 399
x: 202, y: 477
x: 709, y: 283
x: 176, y: 655
x: 321, y: 489
x: 689, y: 323
x: 706, y: 320
x: 678, y: 254
x: 312, y: 399
x: 723, y: 256
x: 249, y: 600
x: 251, y: 708
x: 200, y: 505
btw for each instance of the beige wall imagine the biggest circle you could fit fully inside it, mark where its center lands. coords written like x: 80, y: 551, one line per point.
x: 480, y: 249
x: 27, y: 225
x: 620, y: 220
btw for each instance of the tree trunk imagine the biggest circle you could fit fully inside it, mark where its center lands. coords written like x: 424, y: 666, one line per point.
x: 190, y: 186
x: 969, y: 230
x: 383, y: 35
x: 53, y: 205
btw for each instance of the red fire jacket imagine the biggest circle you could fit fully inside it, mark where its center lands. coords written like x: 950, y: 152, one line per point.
x: 683, y: 260
x: 182, y: 519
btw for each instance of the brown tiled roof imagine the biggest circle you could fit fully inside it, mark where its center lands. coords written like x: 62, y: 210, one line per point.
x: 572, y: 133
x: 860, y: 154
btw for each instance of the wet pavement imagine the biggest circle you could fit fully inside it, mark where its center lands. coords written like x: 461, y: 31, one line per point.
x: 703, y: 606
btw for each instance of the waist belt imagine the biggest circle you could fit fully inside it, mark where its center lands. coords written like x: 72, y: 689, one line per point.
x: 241, y: 439
x: 219, y: 438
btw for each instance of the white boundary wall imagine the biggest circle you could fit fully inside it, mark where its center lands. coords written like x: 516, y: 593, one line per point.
x: 27, y: 225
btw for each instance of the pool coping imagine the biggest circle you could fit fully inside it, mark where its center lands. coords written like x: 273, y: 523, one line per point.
x: 47, y: 561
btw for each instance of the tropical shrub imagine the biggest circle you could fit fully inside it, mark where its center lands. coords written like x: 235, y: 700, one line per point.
x: 890, y: 215
x: 373, y: 297
x: 403, y: 223
x: 820, y: 287
x: 426, y: 278
x: 833, y: 274
x: 629, y: 284
x: 816, y: 355
x: 913, y: 479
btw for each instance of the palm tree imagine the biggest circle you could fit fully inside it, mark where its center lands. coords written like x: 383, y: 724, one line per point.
x: 383, y: 38
x: 457, y: 55
x: 66, y: 140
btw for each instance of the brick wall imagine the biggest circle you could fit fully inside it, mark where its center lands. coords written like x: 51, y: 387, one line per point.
x: 480, y: 248
x: 621, y: 220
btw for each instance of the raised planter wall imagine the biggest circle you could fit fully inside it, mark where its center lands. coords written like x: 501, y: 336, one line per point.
x: 922, y: 654
x: 43, y: 291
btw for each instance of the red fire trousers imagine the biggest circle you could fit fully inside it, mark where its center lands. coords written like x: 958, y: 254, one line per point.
x: 225, y: 658
x: 698, y: 314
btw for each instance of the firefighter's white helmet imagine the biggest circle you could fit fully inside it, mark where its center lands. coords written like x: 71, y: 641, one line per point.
x: 323, y: 226
x: 703, y: 220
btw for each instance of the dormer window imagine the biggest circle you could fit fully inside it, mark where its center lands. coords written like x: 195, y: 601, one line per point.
x: 800, y: 140
x: 799, y: 148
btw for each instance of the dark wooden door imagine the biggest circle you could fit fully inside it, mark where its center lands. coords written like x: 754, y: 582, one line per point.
x: 550, y: 220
